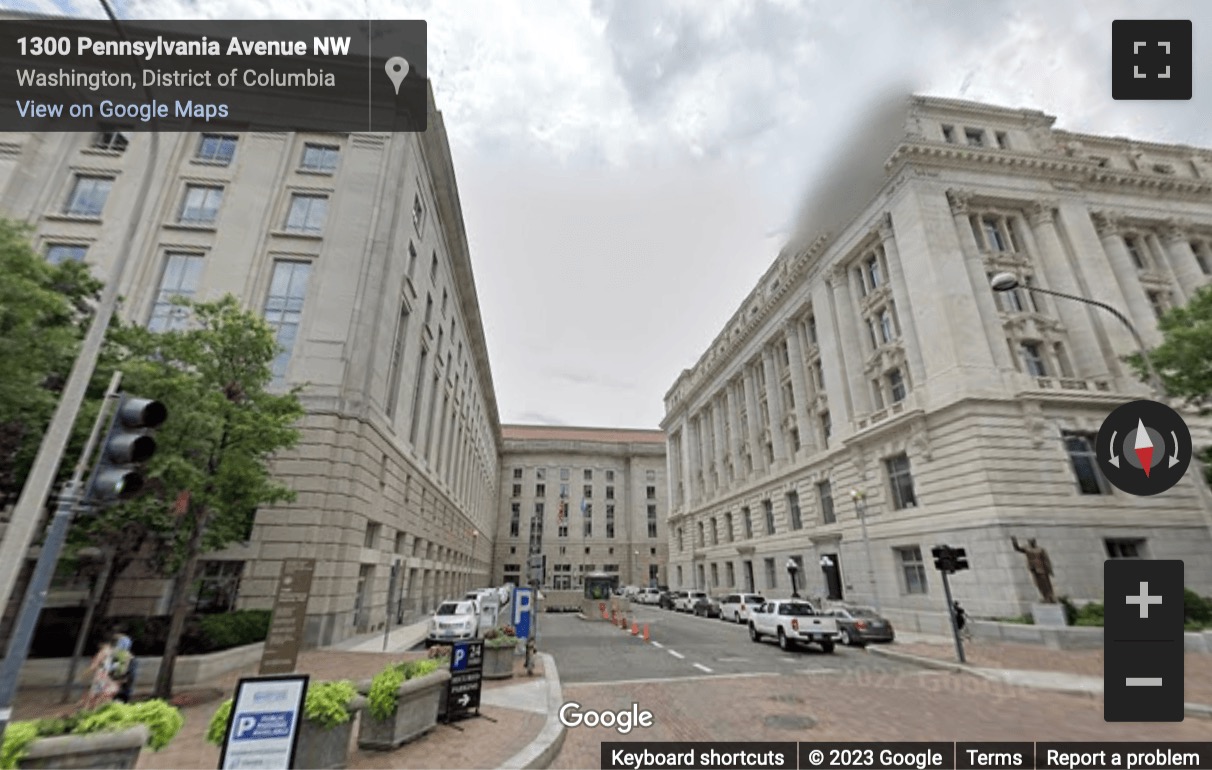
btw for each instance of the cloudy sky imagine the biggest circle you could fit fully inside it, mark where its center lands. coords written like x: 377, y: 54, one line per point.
x: 629, y: 168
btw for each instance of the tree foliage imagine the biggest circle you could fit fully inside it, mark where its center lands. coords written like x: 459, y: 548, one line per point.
x: 45, y: 310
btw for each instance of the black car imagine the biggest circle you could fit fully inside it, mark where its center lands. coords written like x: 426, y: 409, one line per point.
x: 706, y: 607
x: 860, y: 625
x: 666, y: 600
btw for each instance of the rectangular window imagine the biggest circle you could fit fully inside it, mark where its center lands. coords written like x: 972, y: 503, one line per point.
x: 418, y: 212
x: 517, y: 490
x: 824, y: 491
x: 218, y: 149
x: 540, y: 490
x: 57, y: 253
x: 730, y: 574
x: 1062, y: 360
x: 182, y: 273
x: 874, y: 279
x: 610, y: 477
x: 517, y: 473
x: 564, y: 474
x: 1135, y: 251
x: 88, y: 196
x: 1125, y: 548
x: 373, y: 529
x: 307, y: 214
x: 913, y: 569
x: 994, y: 241
x: 1033, y: 359
x: 793, y: 509
x: 771, y: 574
x: 896, y: 386
x: 201, y: 205
x: 887, y: 332
x: 1085, y: 465
x: 1201, y: 257
x: 826, y: 427
x: 320, y: 158
x: 715, y: 575
x: 949, y: 134
x: 588, y: 474
x: 284, y: 308
x: 563, y: 490
x: 652, y: 521
x: 900, y: 478
x: 609, y: 493
x: 111, y: 139
x: 1158, y: 301
x: 540, y: 474
x: 610, y: 521
x: 396, y: 367
x: 747, y: 518
x: 768, y: 509
x: 1003, y: 141
x: 588, y: 516
x: 975, y: 137
x: 515, y: 519
x: 587, y: 491
x: 650, y: 493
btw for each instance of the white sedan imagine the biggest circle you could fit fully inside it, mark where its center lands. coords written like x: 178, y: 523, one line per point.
x: 454, y: 622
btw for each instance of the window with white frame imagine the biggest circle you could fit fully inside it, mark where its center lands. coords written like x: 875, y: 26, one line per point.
x: 913, y: 569
x: 900, y: 481
x: 308, y: 212
x: 111, y: 139
x: 58, y: 253
x: 182, y: 273
x: 320, y: 158
x: 652, y: 521
x: 284, y: 308
x: 897, y: 389
x: 217, y: 149
x: 975, y: 137
x: 1137, y: 251
x: 1083, y: 460
x: 1033, y: 359
x: 824, y: 491
x: 201, y: 204
x: 88, y: 196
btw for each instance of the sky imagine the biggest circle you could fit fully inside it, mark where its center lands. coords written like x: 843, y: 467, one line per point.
x: 628, y: 169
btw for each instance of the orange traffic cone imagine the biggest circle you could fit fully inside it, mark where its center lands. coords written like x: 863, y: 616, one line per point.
x: 645, y: 632
x: 635, y: 628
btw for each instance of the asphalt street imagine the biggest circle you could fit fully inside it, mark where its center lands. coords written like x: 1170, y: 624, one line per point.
x: 684, y: 646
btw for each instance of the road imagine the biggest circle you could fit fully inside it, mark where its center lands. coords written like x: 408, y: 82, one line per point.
x: 684, y: 646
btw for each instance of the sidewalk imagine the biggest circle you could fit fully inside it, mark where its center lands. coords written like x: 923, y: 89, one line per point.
x: 521, y: 728
x: 401, y: 639
x: 1032, y: 666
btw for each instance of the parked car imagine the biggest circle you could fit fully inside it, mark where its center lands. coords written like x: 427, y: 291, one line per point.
x: 736, y: 607
x: 454, y: 621
x: 706, y: 607
x: 686, y: 600
x: 793, y: 621
x: 860, y: 625
x: 648, y: 596
x: 667, y: 600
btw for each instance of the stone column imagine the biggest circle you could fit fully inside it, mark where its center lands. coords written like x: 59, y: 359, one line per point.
x: 1161, y: 259
x: 755, y: 433
x: 1139, y: 309
x: 851, y: 343
x: 1084, y: 347
x: 671, y: 462
x: 717, y: 424
x: 799, y: 388
x: 687, y: 470
x: 832, y: 363
x: 735, y: 440
x: 1186, y: 267
x: 986, y: 305
x: 774, y: 405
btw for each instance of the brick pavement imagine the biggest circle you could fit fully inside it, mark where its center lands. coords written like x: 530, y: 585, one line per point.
x: 1198, y: 666
x: 861, y: 706
x: 480, y: 744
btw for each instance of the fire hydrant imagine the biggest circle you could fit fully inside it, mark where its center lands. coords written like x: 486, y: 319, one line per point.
x: 530, y: 651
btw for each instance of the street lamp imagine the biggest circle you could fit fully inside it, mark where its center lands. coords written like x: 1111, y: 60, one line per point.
x: 792, y: 568
x: 636, y: 566
x: 1010, y: 282
x: 860, y: 506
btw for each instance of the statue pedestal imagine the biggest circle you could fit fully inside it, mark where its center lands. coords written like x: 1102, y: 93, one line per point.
x: 1049, y: 615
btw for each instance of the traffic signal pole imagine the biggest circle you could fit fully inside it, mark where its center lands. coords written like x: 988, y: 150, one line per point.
x: 35, y: 597
x: 959, y: 645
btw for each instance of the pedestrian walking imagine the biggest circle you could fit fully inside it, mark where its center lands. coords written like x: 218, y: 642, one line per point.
x: 961, y: 621
x: 123, y: 668
x: 102, y: 688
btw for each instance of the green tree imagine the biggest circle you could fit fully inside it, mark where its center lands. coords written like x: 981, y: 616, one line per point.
x: 1184, y: 359
x: 211, y: 468
x: 44, y: 313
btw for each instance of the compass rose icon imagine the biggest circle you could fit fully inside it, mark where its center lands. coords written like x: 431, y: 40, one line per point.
x: 1144, y: 447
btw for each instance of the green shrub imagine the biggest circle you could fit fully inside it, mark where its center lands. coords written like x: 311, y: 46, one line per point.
x: 235, y: 629
x: 1197, y: 610
x: 327, y: 703
x: 386, y: 684
x: 217, y: 730
x: 1090, y: 615
x: 1071, y: 610
x: 163, y: 722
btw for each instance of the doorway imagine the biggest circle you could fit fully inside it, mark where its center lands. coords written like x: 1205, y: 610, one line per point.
x: 831, y: 565
x: 749, y: 577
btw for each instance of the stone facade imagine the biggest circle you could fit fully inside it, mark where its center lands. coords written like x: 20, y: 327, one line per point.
x: 354, y: 248
x: 620, y: 477
x: 872, y: 368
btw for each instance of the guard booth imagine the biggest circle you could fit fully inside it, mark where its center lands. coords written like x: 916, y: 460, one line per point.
x: 599, y: 595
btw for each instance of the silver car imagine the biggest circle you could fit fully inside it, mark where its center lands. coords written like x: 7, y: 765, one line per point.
x: 454, y: 622
x: 736, y: 607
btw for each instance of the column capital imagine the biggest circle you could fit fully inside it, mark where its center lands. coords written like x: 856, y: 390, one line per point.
x: 1107, y: 223
x: 1040, y: 212
x: 960, y: 201
x: 837, y: 275
x: 884, y: 227
x: 1176, y: 229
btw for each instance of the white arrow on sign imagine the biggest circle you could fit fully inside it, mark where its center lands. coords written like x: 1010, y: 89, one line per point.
x: 1114, y: 457
x: 465, y: 699
x: 1174, y: 457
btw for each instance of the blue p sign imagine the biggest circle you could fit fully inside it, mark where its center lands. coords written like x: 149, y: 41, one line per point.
x: 459, y: 661
x: 245, y: 724
x: 523, y: 599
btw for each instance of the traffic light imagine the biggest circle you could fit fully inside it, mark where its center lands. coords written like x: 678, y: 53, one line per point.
x: 943, y: 561
x: 961, y: 559
x: 127, y: 446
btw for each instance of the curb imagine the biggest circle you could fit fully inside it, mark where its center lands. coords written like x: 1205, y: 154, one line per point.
x: 1193, y: 709
x: 542, y: 750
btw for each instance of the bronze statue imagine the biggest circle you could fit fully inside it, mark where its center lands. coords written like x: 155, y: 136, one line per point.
x: 1040, y: 567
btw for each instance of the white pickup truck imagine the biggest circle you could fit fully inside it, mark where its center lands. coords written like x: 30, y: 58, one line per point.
x: 792, y: 621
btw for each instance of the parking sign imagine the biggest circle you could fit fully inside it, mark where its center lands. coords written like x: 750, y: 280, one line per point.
x: 523, y: 608
x: 263, y: 729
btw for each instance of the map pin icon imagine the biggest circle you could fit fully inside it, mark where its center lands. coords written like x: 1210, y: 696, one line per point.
x: 397, y: 70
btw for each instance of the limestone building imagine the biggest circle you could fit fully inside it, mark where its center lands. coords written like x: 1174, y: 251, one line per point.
x: 354, y: 248
x: 872, y: 367
x: 590, y: 499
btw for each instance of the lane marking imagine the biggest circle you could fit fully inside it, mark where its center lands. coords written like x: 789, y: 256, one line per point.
x: 702, y: 668
x: 658, y: 645
x: 676, y: 654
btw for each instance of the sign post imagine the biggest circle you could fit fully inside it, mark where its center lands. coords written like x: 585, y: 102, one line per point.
x: 290, y: 612
x: 466, y: 678
x: 948, y: 561
x: 263, y: 728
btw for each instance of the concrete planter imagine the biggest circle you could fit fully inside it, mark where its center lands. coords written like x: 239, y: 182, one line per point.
x: 498, y: 661
x: 417, y: 703
x: 327, y: 748
x: 75, y: 752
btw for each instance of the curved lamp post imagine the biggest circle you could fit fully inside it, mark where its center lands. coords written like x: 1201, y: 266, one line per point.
x: 1010, y: 282
x: 792, y: 568
x: 860, y: 506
